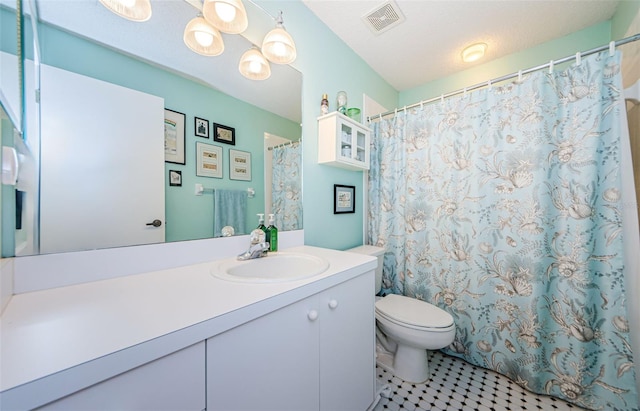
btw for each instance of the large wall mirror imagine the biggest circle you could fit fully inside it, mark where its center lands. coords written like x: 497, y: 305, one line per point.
x: 124, y: 89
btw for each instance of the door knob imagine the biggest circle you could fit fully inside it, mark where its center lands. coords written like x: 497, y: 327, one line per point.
x: 155, y: 223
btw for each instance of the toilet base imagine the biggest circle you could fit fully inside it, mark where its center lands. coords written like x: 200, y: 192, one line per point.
x: 408, y: 363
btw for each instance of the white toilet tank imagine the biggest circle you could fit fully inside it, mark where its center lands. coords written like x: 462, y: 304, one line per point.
x: 375, y: 252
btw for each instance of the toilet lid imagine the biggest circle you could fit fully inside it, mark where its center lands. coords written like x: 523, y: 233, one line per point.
x: 413, y: 312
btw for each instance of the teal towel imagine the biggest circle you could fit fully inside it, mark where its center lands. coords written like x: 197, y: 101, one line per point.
x: 229, y: 208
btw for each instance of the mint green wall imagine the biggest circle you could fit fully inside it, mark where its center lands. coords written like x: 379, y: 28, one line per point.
x: 8, y: 31
x: 582, y: 40
x: 328, y: 66
x: 187, y: 216
x: 623, y: 18
x: 7, y: 193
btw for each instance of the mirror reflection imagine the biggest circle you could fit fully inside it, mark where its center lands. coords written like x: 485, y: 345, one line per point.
x: 114, y: 95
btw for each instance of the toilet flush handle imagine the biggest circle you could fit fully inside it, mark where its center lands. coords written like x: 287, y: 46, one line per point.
x: 333, y: 304
x: 312, y: 315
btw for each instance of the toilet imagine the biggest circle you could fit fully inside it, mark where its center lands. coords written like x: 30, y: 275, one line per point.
x: 406, y: 328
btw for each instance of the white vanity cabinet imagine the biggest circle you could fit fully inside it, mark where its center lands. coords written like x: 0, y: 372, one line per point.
x: 343, y: 142
x: 173, y: 382
x: 315, y: 354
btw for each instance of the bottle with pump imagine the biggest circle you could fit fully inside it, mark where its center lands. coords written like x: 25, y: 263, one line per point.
x: 261, y: 223
x: 272, y: 234
x: 262, y: 227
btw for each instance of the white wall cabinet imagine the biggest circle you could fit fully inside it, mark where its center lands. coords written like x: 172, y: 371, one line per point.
x: 174, y: 382
x: 315, y: 354
x: 343, y: 142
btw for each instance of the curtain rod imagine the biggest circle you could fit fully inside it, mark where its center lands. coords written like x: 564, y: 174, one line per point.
x: 282, y: 145
x: 577, y: 56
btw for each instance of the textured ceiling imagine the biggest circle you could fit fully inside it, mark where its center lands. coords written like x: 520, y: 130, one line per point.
x: 429, y: 42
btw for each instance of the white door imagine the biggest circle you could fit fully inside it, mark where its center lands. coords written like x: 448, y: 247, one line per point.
x: 102, y: 168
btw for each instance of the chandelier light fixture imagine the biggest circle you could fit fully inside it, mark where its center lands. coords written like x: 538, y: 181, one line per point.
x: 254, y: 66
x: 228, y: 16
x: 278, y: 45
x: 134, y: 10
x: 202, y: 33
x: 202, y: 38
x: 474, y: 52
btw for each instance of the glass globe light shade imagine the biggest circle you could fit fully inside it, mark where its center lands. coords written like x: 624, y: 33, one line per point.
x: 278, y: 46
x: 254, y: 66
x: 228, y: 16
x: 202, y: 38
x: 134, y: 10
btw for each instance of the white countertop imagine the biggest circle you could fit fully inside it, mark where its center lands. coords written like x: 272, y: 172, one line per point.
x: 46, y: 332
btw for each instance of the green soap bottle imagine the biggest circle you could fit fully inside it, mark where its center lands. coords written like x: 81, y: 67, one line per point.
x: 272, y: 234
x: 261, y: 225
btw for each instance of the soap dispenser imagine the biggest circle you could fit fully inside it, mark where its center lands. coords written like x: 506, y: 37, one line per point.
x: 272, y: 234
x: 264, y: 229
x: 261, y: 225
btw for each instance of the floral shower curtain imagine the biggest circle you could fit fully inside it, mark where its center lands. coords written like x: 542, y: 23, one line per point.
x: 502, y: 207
x: 285, y: 187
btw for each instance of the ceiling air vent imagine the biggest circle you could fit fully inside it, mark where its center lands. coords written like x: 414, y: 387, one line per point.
x: 383, y: 17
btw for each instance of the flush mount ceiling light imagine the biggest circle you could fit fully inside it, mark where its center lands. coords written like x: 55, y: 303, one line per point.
x: 278, y: 45
x: 228, y: 16
x: 254, y: 66
x: 203, y: 38
x: 134, y: 10
x: 473, y: 52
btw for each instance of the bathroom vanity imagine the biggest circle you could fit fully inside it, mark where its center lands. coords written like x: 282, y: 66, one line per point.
x: 183, y: 338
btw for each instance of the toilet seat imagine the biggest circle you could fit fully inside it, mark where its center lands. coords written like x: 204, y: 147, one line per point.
x: 412, y: 313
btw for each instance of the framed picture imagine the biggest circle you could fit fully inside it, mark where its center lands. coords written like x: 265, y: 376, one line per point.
x: 344, y: 199
x: 174, y: 137
x: 239, y: 165
x: 175, y: 178
x: 208, y: 160
x: 224, y: 134
x: 201, y: 127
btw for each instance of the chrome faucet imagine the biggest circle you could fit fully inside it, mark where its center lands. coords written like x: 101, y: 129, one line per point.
x: 258, y: 246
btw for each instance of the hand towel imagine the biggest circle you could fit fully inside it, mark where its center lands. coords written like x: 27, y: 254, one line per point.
x: 229, y: 208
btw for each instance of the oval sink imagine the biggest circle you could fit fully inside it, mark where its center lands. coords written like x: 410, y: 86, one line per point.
x: 274, y: 268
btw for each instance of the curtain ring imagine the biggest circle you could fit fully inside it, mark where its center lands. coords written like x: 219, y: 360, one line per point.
x: 490, y: 85
x: 612, y: 48
x: 551, y: 67
x: 578, y: 59
x: 519, y: 75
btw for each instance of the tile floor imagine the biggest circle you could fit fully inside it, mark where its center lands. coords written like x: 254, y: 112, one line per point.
x: 456, y: 385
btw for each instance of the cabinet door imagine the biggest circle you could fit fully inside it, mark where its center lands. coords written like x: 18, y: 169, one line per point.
x: 270, y: 363
x: 174, y: 382
x: 347, y: 145
x: 343, y: 142
x: 347, y: 345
